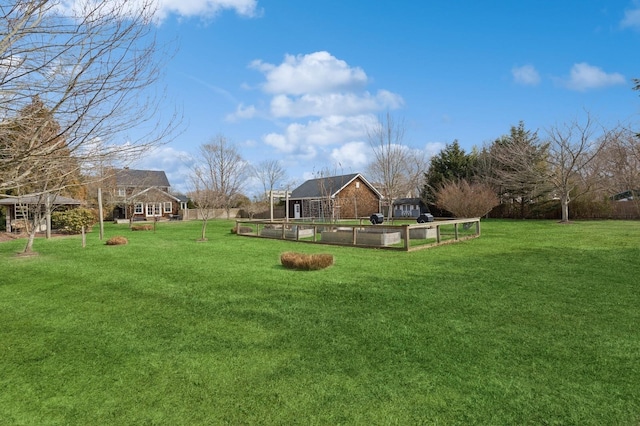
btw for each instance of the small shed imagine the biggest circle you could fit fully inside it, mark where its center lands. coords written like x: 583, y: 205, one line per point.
x: 28, y: 207
x: 409, y: 207
x: 335, y: 197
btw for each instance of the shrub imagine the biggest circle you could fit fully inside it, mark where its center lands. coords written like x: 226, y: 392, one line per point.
x: 306, y: 262
x: 116, y: 241
x: 73, y: 220
x: 466, y: 200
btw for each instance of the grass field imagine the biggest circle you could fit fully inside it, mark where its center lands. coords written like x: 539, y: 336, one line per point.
x: 532, y: 323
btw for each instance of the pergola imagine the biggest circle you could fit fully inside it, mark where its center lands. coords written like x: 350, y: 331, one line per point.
x: 24, y: 208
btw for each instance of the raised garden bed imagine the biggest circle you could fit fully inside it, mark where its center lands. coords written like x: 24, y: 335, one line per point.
x: 292, y: 233
x: 363, y: 237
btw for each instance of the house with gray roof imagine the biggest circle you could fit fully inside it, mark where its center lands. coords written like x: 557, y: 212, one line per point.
x: 143, y: 195
x: 335, y: 197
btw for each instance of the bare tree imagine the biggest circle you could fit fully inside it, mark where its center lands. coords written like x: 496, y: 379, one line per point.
x: 257, y: 205
x: 466, y: 200
x: 618, y: 166
x: 90, y: 66
x: 519, y: 167
x: 223, y: 171
x: 636, y: 82
x: 393, y: 164
x: 203, y: 196
x: 572, y: 148
x: 270, y: 173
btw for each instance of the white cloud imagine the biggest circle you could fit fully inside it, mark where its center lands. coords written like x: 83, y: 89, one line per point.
x: 333, y: 104
x: 332, y: 94
x: 332, y: 130
x: 526, y: 74
x: 208, y: 8
x: 631, y: 19
x: 242, y: 113
x: 584, y: 76
x: 164, y: 8
x: 317, y: 72
x: 280, y: 142
x: 352, y: 155
x: 433, y: 148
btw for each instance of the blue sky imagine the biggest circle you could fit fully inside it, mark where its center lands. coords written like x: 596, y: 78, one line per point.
x: 301, y: 81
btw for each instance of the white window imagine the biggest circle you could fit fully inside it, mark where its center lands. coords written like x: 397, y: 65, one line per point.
x: 122, y: 192
x: 138, y: 209
x: 153, y: 209
x: 168, y: 207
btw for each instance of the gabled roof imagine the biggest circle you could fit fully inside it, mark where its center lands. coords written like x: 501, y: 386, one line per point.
x: 37, y: 199
x: 141, y: 178
x: 328, y: 186
x: 177, y: 197
x: 412, y: 201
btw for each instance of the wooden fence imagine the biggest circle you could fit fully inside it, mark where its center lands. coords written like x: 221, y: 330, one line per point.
x: 404, y: 237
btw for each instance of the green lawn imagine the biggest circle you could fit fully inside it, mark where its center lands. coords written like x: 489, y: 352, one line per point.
x: 532, y: 323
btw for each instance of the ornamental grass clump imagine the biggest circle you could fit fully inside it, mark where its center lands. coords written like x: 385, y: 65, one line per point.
x: 306, y: 262
x: 117, y: 241
x: 241, y: 230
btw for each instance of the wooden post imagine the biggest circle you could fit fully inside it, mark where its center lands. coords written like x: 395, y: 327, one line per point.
x: 405, y: 230
x: 354, y: 236
x: 101, y: 217
x: 455, y: 231
x: 84, y: 238
x: 438, y: 234
x: 286, y: 207
x: 271, y: 205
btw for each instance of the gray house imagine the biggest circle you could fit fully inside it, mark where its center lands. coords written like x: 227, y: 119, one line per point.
x: 143, y: 195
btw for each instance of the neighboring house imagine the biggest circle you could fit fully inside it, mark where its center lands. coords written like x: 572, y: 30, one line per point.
x: 335, y: 197
x: 628, y: 195
x: 409, y: 207
x: 28, y: 208
x: 144, y: 195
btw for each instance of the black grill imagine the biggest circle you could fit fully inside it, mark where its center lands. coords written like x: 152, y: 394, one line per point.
x: 424, y: 218
x: 376, y: 218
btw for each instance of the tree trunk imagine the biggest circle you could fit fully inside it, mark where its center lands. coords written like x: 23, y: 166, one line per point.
x: 48, y: 216
x: 203, y: 236
x: 564, y: 202
x: 32, y: 235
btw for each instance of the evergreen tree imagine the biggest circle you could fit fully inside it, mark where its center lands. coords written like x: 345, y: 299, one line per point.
x: 451, y: 164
